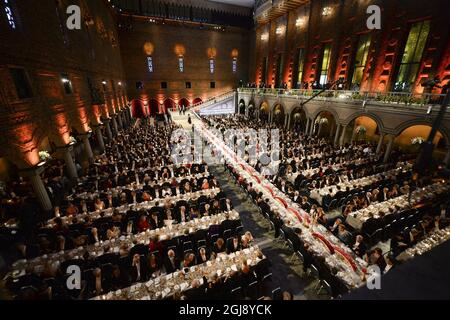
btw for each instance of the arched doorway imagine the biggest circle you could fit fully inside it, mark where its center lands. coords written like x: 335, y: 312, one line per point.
x: 184, y: 103
x: 298, y: 119
x: 324, y: 124
x: 197, y: 101
x: 264, y: 112
x: 169, y: 104
x: 364, y: 128
x: 242, y: 107
x: 278, y: 115
x: 411, y: 138
x: 137, y: 109
x: 154, y: 107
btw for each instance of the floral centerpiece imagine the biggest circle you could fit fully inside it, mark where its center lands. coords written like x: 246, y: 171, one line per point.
x: 361, y: 130
x: 44, y: 155
x: 417, y: 140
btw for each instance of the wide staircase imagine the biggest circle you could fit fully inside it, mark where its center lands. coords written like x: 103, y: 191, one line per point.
x: 224, y: 103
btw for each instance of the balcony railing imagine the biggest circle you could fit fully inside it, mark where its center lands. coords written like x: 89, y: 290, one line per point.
x: 393, y: 98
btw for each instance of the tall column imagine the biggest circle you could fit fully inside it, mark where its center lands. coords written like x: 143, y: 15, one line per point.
x: 380, y: 143
x: 333, y: 125
x: 114, y: 122
x: 101, y: 142
x: 447, y: 158
x: 70, y: 164
x: 286, y: 121
x: 108, y: 129
x: 312, y: 129
x: 119, y: 119
x: 353, y: 136
x: 336, y: 136
x: 308, y: 123
x: 388, y: 148
x: 319, y: 131
x: 87, y: 147
x: 342, y: 140
x: 33, y: 174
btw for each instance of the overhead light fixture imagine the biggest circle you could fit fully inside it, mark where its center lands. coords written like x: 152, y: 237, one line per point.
x: 264, y: 36
x: 300, y: 22
x: 119, y: 83
x: 326, y: 11
x: 280, y: 30
x: 104, y: 82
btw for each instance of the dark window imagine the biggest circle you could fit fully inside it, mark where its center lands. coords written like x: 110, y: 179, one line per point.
x: 188, y: 85
x: 21, y: 83
x: 139, y: 85
x: 164, y: 85
x: 66, y: 83
x: 212, y: 85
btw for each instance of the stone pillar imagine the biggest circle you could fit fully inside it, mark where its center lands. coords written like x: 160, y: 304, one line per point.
x: 87, y: 147
x: 101, y: 142
x: 353, y: 136
x: 333, y: 125
x: 342, y: 140
x: 70, y: 164
x: 336, y: 136
x: 34, y: 175
x: 388, y: 149
x: 286, y: 121
x: 312, y: 129
x: 115, y: 128
x: 119, y: 119
x: 108, y: 129
x: 447, y: 158
x: 319, y: 130
x: 380, y: 143
x: 308, y: 123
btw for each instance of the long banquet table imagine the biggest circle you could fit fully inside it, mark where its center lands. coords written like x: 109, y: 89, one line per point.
x: 167, y: 285
x: 97, y: 249
x: 350, y: 268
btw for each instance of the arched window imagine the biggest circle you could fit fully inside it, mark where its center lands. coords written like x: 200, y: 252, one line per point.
x: 9, y: 14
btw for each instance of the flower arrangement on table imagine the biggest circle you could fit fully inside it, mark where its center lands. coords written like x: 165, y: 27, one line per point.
x: 361, y: 130
x: 44, y: 155
x: 417, y: 140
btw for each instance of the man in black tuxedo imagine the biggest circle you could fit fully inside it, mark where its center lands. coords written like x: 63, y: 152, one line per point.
x: 197, y: 292
x: 171, y: 262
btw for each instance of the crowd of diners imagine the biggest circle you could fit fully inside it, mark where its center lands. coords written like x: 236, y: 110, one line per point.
x: 335, y: 165
x: 130, y: 189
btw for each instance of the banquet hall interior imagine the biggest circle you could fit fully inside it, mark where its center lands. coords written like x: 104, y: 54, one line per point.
x: 224, y: 150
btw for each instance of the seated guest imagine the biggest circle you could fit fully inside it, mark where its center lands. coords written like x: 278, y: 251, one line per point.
x: 203, y: 256
x: 143, y: 224
x: 233, y: 245
x: 171, y: 262
x: 71, y: 210
x: 99, y: 204
x: 118, y: 280
x: 219, y: 246
x: 113, y: 233
x: 138, y: 270
x: 343, y: 234
x: 359, y: 247
x: 375, y: 257
x: 155, y: 221
x: 154, y: 267
x: 189, y: 261
x: 389, y: 263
